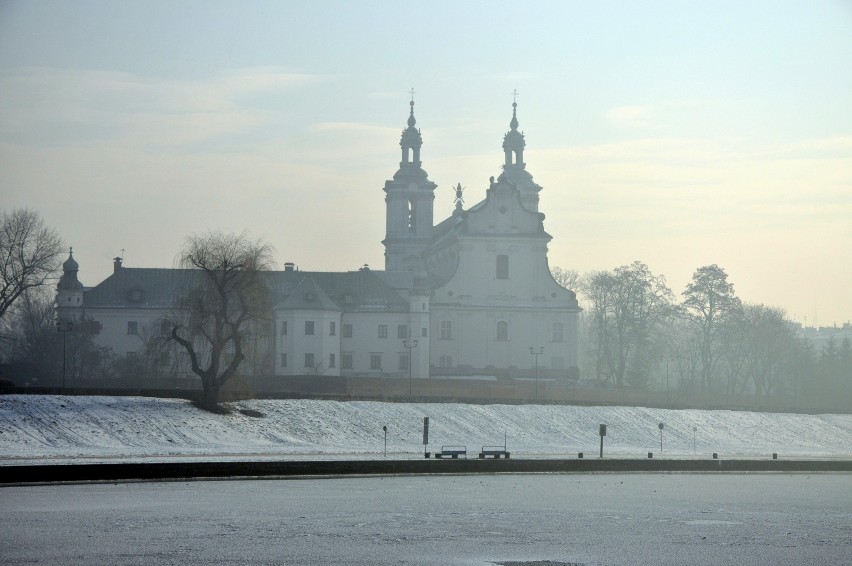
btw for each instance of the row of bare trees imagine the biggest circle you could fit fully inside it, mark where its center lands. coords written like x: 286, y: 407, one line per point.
x: 709, y: 342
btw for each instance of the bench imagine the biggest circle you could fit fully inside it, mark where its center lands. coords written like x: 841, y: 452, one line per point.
x: 494, y: 451
x: 452, y: 452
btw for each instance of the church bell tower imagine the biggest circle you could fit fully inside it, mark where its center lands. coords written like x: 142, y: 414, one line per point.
x: 514, y: 168
x: 409, y: 200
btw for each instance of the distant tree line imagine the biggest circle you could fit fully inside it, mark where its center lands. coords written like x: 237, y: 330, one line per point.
x: 637, y: 335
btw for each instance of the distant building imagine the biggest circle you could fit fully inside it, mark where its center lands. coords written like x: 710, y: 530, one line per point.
x: 470, y: 295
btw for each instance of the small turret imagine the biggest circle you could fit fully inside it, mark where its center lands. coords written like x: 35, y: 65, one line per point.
x: 69, y: 296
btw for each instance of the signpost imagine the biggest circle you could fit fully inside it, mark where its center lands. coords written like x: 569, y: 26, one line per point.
x: 385, y: 428
x: 661, y: 425
x: 602, y: 433
x: 425, y: 435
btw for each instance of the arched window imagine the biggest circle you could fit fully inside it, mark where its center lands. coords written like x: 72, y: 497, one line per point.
x: 502, y: 331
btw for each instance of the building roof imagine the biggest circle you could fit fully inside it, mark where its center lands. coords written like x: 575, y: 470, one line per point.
x: 351, y: 291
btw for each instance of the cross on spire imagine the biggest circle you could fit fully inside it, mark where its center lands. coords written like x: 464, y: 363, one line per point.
x: 412, y: 92
x: 515, y: 94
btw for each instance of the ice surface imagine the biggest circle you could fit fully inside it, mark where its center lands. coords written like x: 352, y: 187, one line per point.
x: 71, y: 427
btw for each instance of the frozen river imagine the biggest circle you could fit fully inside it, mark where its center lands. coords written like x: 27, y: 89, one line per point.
x: 607, y: 519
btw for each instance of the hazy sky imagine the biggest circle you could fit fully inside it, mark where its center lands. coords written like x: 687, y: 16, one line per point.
x: 677, y: 133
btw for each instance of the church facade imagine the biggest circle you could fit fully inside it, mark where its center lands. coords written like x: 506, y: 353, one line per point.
x: 469, y: 295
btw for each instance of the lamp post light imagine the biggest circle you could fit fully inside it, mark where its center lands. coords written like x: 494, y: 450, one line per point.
x: 64, y: 326
x: 661, y: 425
x: 536, y: 352
x: 409, y: 345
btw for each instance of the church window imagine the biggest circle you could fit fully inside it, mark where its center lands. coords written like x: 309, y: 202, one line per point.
x: 502, y: 331
x: 309, y: 360
x: 331, y: 361
x: 402, y: 331
x: 557, y: 363
x: 346, y: 361
x: 403, y: 362
x: 332, y: 328
x: 502, y: 266
x: 446, y: 361
x: 283, y: 360
x: 132, y: 327
x: 309, y: 328
x: 283, y: 328
x: 376, y: 361
x: 132, y: 356
x: 347, y: 331
x: 423, y: 332
x: 446, y: 330
x: 558, y: 332
x: 383, y: 331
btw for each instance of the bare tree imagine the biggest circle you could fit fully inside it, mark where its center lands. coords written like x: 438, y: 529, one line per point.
x: 568, y: 278
x: 709, y: 300
x: 627, y: 308
x: 229, y: 297
x: 29, y: 254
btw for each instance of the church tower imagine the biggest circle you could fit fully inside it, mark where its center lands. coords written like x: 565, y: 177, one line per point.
x: 69, y: 296
x: 514, y: 168
x: 409, y: 200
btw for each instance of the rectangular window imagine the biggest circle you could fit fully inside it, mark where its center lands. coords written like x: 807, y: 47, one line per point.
x: 283, y: 328
x: 502, y: 331
x: 375, y: 361
x: 132, y: 327
x: 403, y: 361
x: 132, y: 356
x: 557, y: 363
x: 347, y: 331
x: 283, y: 360
x: 446, y: 330
x: 332, y: 328
x: 402, y: 331
x: 502, y: 267
x: 346, y: 361
x: 309, y: 328
x: 383, y: 331
x: 558, y: 332
x: 331, y: 361
x: 446, y: 361
x: 309, y: 360
x: 423, y: 332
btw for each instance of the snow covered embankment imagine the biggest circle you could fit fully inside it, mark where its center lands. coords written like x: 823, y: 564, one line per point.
x: 35, y: 427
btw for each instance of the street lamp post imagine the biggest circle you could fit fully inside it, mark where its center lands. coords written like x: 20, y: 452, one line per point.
x: 536, y: 353
x: 409, y: 345
x: 64, y: 326
x: 661, y: 426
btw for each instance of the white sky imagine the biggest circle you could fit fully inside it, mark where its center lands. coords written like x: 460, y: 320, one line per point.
x: 676, y: 133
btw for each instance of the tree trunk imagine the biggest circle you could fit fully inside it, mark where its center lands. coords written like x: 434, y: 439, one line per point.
x: 210, y: 395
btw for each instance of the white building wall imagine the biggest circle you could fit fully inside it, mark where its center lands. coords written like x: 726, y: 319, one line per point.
x: 366, y: 342
x: 296, y: 343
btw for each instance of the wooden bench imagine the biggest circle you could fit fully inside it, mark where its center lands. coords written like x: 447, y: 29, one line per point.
x: 452, y: 452
x: 494, y: 451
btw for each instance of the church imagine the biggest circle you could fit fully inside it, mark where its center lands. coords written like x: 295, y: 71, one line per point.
x: 471, y: 295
